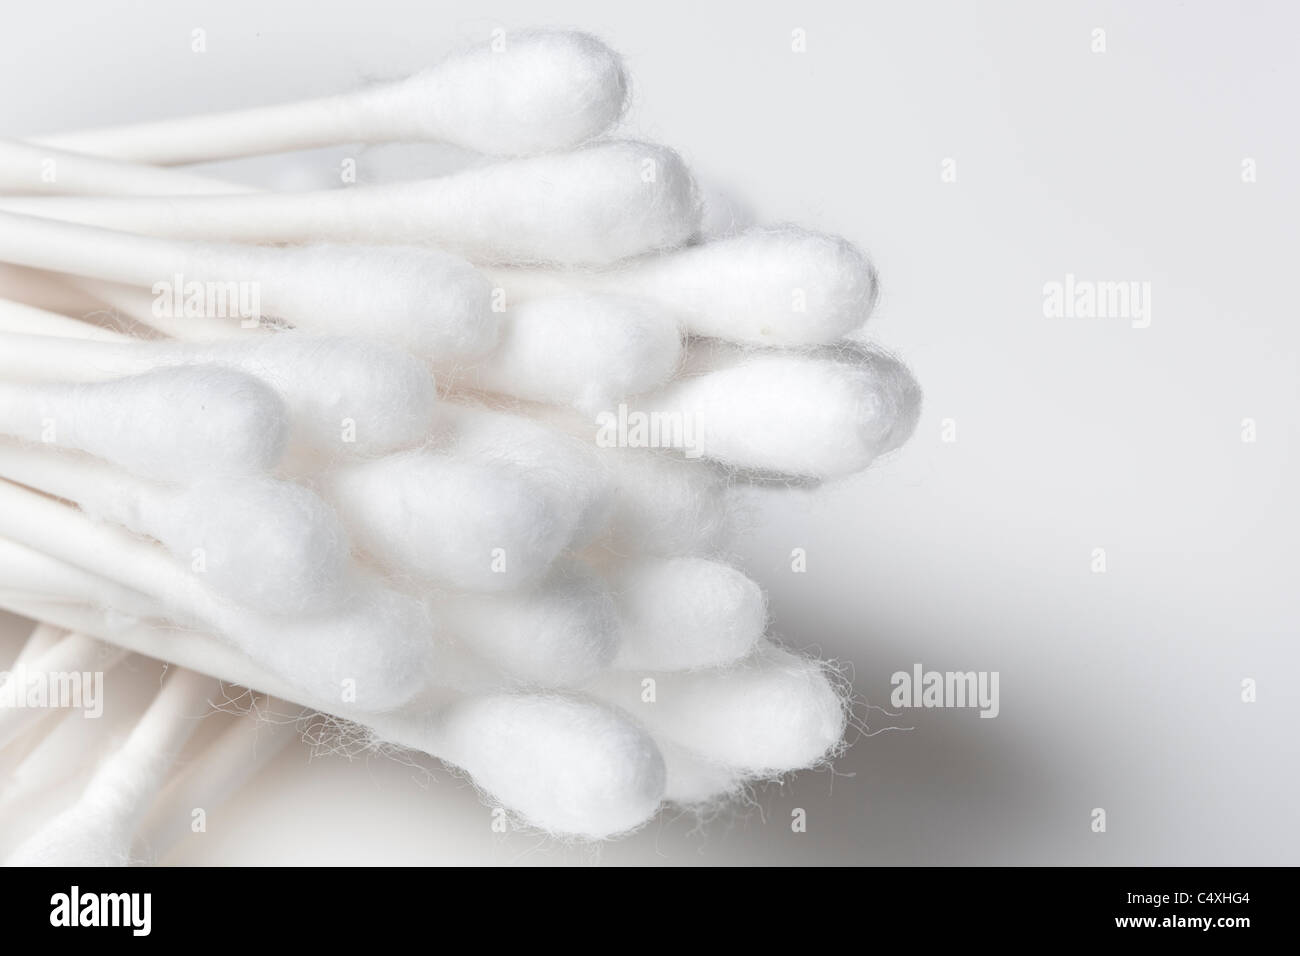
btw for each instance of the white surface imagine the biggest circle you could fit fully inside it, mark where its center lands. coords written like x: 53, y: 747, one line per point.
x: 1119, y: 690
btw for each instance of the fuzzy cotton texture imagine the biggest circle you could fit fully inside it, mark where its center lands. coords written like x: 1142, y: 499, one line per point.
x: 769, y: 714
x: 176, y: 424
x: 473, y: 525
x: 565, y: 764
x: 556, y: 634
x: 773, y: 286
x: 685, y: 613
x: 795, y: 415
x: 612, y: 346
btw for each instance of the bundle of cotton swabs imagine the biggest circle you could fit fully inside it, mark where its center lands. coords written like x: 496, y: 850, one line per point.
x: 467, y: 480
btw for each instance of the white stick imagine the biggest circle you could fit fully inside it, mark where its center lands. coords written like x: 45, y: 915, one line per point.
x: 251, y: 742
x: 428, y: 301
x: 594, y: 206
x: 526, y: 93
x: 97, y: 830
x: 75, y: 654
x: 25, y: 168
x: 40, y: 640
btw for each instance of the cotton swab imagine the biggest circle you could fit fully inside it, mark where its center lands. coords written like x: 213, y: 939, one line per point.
x: 534, y: 92
x: 558, y: 633
x: 455, y: 522
x: 662, y: 505
x: 422, y: 299
x: 25, y: 168
x: 787, y: 414
x: 344, y: 395
x: 488, y: 505
x: 594, y: 206
x: 376, y: 648
x: 782, y: 286
x: 271, y: 545
x: 771, y: 713
x: 97, y: 830
x: 581, y: 769
x: 172, y: 424
x: 613, y: 346
x: 685, y: 613
x: 564, y: 470
x: 567, y: 765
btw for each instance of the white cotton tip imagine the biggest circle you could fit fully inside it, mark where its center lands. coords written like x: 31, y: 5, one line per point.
x: 536, y: 92
x: 565, y: 765
x: 80, y: 836
x: 558, y: 633
x: 585, y: 351
x: 695, y: 782
x: 428, y: 302
x: 769, y: 714
x: 375, y: 651
x: 472, y: 525
x: 352, y: 396
x: 593, y: 206
x: 795, y: 415
x: 270, y: 545
x: 564, y: 471
x: 773, y: 286
x: 175, y: 424
x: 662, y: 505
x: 684, y: 613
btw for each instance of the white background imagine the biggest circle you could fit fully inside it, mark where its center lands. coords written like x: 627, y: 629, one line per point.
x: 1119, y: 690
